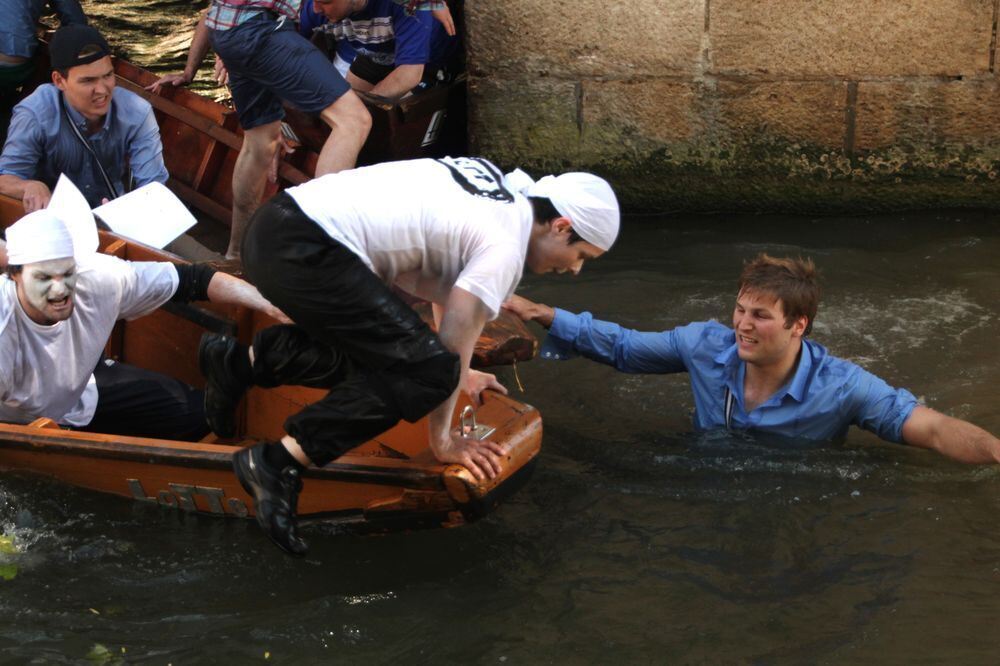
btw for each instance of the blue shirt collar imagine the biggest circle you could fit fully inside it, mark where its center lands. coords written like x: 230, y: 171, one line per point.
x: 800, y: 381
x: 736, y: 371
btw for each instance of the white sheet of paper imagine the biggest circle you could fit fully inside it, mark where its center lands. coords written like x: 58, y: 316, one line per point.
x: 71, y: 206
x: 150, y: 215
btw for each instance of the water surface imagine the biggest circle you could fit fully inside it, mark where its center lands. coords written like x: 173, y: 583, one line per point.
x: 636, y: 541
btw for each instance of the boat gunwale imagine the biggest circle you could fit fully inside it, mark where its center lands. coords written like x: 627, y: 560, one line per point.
x: 403, y: 472
x: 397, y: 472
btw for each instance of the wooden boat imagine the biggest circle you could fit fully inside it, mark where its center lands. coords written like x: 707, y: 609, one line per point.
x: 390, y: 482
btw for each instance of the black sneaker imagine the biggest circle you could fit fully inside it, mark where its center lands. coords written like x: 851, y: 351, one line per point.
x: 223, y: 390
x: 275, y: 497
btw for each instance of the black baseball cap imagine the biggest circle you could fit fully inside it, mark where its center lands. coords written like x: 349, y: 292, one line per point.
x: 74, y: 45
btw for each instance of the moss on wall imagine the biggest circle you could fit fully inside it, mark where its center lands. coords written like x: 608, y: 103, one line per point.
x: 831, y: 105
x: 715, y: 166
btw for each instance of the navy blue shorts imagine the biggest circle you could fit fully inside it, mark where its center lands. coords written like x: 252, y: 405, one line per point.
x: 268, y: 61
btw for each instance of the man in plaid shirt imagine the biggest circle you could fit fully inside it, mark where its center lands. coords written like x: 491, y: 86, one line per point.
x: 269, y: 62
x: 226, y: 14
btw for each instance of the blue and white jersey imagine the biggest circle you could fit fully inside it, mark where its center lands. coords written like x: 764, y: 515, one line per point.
x: 385, y: 33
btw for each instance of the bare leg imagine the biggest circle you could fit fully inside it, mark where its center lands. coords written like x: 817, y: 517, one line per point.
x: 250, y: 177
x: 292, y: 446
x: 349, y: 123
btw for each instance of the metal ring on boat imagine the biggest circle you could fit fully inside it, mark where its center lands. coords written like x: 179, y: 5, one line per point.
x: 469, y: 428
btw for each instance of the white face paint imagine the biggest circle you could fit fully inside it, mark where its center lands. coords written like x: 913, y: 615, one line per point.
x: 45, y: 289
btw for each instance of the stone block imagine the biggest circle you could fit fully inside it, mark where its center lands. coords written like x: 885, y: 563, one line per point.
x: 926, y: 113
x: 568, y: 39
x: 790, y: 112
x: 720, y: 122
x: 852, y: 39
x: 533, y: 119
x: 621, y: 118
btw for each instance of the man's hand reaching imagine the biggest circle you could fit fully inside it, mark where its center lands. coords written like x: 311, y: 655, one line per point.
x: 529, y: 310
x: 172, y: 80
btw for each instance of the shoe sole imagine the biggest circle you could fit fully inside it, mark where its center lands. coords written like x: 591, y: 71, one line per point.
x: 203, y: 366
x: 237, y: 467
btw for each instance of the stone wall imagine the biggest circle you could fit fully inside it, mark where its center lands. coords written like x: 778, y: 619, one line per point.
x: 814, y: 105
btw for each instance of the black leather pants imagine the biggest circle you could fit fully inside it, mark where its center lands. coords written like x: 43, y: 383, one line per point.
x: 352, y: 335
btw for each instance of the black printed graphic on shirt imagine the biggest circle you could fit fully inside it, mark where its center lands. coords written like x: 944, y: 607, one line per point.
x: 478, y: 177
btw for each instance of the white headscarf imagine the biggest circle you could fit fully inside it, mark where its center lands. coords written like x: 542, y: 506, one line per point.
x: 38, y: 236
x: 587, y: 200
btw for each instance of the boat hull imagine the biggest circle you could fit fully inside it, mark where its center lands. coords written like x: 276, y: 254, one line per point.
x: 390, y: 482
x: 373, y: 487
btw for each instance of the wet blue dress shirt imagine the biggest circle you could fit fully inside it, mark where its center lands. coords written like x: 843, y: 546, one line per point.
x: 20, y: 20
x: 41, y: 145
x: 824, y: 397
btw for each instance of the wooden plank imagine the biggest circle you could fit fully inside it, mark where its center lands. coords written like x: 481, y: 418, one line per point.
x: 11, y: 210
x: 185, y: 115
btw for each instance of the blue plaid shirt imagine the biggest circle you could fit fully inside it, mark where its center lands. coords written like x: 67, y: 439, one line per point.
x: 823, y: 399
x: 226, y: 14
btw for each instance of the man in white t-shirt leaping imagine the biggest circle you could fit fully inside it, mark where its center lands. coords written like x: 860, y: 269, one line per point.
x: 454, y: 231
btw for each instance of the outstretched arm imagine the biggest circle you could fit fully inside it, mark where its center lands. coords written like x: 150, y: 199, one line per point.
x: 199, y: 47
x: 625, y: 349
x: 463, y: 321
x: 530, y: 311
x: 954, y: 438
x: 228, y: 290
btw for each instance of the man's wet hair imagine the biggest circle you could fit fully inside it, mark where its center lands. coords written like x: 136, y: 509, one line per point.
x: 794, y: 281
x: 544, y: 211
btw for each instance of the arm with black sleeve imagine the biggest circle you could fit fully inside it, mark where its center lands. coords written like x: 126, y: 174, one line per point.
x: 201, y: 282
x: 192, y: 282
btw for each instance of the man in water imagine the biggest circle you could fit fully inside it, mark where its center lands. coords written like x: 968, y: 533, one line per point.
x: 763, y: 374
x: 80, y: 125
x: 455, y: 232
x: 268, y: 62
x: 58, y: 308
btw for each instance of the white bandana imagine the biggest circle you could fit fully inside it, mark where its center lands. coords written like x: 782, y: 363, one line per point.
x: 587, y: 200
x: 38, y: 236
